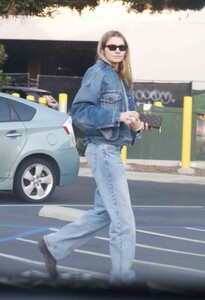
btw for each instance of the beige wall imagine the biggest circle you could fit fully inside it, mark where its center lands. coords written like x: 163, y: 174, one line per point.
x: 163, y: 47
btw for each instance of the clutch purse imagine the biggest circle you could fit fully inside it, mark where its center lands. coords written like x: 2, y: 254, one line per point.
x: 154, y: 121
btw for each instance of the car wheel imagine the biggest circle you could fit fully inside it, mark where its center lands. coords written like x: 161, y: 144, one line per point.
x: 35, y: 180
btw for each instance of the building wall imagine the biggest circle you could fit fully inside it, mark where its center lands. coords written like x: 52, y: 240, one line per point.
x: 168, y: 46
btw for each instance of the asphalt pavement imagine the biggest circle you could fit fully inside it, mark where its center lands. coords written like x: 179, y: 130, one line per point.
x: 169, y: 249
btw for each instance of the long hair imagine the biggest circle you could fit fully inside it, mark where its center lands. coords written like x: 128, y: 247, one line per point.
x: 124, y: 69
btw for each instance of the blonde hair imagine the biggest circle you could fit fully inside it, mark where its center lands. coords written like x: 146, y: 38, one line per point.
x: 124, y: 69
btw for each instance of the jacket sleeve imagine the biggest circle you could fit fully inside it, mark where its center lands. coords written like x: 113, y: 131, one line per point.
x: 85, y: 110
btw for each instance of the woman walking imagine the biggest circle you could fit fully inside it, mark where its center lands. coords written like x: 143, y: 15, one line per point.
x: 104, y: 110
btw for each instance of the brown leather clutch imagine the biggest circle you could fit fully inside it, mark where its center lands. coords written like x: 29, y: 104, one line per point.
x: 154, y: 121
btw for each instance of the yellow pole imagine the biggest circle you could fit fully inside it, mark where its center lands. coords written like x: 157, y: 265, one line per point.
x: 158, y: 103
x: 15, y: 94
x: 63, y: 100
x: 42, y: 100
x: 30, y: 97
x: 124, y: 154
x: 186, y: 132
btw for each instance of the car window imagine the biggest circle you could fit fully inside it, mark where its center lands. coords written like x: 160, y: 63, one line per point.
x: 25, y: 112
x: 5, y: 112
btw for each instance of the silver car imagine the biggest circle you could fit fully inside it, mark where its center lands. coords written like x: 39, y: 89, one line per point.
x: 37, y: 149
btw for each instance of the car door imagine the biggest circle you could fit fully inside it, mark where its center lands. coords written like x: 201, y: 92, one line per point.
x: 12, y: 138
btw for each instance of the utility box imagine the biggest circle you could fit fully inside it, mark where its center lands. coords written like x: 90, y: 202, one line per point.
x: 166, y: 143
x: 199, y: 108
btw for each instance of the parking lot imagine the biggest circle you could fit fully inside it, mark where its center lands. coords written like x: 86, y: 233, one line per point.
x: 169, y: 250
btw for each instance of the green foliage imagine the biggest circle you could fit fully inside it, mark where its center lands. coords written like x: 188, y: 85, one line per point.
x: 41, y: 8
x: 4, y: 80
x: 44, y: 8
x: 3, y: 55
x: 81, y: 147
x: 160, y: 5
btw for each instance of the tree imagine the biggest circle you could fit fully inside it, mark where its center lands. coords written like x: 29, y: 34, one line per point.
x: 4, y: 80
x: 44, y: 8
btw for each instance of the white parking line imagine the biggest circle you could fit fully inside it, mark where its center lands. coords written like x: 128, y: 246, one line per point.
x: 167, y: 206
x: 91, y: 205
x: 27, y: 241
x: 189, y: 271
x: 158, y: 248
x: 141, y: 206
x: 169, y: 250
x: 21, y: 259
x: 196, y: 229
x: 170, y: 236
x: 92, y: 253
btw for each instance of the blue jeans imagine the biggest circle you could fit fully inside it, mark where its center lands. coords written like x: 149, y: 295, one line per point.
x: 112, y: 207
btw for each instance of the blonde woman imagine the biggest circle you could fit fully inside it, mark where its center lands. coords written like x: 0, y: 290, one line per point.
x: 104, y: 111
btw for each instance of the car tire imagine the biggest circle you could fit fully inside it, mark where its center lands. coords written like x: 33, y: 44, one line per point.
x: 35, y: 180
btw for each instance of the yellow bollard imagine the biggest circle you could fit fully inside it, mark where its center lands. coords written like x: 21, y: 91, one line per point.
x: 186, y: 132
x: 30, y: 97
x: 124, y: 154
x: 63, y: 100
x: 158, y: 103
x: 42, y: 100
x: 15, y: 94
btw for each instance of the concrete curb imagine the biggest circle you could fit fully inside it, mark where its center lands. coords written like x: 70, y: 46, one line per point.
x: 155, y: 177
x: 183, y: 178
x: 61, y: 213
x: 155, y: 162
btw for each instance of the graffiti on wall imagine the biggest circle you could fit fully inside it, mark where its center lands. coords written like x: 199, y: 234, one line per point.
x: 152, y: 96
x: 169, y: 93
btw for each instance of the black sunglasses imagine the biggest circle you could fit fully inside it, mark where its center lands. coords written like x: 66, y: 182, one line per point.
x: 113, y: 47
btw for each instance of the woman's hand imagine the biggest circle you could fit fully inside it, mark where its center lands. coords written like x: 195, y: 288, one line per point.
x: 128, y: 117
x: 132, y: 119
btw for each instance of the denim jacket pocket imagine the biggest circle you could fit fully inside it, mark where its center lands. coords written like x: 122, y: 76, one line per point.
x: 111, y: 100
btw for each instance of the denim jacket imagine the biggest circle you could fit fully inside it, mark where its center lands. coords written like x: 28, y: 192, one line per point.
x: 98, y: 104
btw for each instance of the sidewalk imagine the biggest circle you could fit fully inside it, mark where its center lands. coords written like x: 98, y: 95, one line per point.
x: 154, y: 176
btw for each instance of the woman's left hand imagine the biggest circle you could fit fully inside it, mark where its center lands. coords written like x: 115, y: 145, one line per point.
x: 136, y: 125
